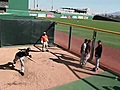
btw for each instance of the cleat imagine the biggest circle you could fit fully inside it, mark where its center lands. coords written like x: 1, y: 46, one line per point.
x: 14, y: 62
x: 95, y: 69
x: 22, y: 73
x: 47, y: 50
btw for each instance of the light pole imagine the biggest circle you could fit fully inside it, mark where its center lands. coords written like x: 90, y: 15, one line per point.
x: 52, y: 6
x: 34, y: 4
x: 37, y: 4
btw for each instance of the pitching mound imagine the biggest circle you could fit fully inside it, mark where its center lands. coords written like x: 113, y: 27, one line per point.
x: 49, y: 70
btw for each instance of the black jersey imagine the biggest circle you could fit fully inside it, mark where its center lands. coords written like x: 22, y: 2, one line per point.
x: 22, y: 53
x: 98, y: 51
x: 87, y: 50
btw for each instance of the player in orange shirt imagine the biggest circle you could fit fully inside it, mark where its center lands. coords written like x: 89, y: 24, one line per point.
x: 44, y: 41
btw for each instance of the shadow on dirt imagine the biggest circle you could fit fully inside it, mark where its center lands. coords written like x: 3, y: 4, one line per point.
x: 32, y: 50
x: 9, y: 66
x: 40, y: 48
x: 66, y: 60
x: 61, y: 58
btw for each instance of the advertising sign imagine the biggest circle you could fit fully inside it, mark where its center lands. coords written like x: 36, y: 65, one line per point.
x: 41, y: 15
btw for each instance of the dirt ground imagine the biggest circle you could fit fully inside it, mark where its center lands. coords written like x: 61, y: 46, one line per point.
x: 50, y: 69
x: 110, y: 56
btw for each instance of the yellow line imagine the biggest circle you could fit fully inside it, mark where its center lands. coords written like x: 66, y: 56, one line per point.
x: 90, y: 28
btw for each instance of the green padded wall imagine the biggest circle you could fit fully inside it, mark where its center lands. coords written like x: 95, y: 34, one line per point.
x: 15, y: 32
x: 23, y: 31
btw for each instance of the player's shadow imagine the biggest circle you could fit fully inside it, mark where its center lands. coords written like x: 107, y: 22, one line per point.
x: 65, y: 59
x: 31, y: 50
x: 9, y: 66
x: 40, y: 48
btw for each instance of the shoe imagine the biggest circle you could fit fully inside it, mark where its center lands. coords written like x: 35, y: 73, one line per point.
x: 14, y: 62
x: 11, y: 66
x: 43, y: 51
x: 118, y: 78
x: 84, y: 63
x: 22, y: 73
x: 81, y: 65
x: 95, y: 69
x: 47, y: 50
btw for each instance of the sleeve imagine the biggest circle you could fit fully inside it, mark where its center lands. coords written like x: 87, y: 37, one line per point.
x: 84, y: 47
x: 100, y: 50
x: 41, y: 39
x: 47, y: 38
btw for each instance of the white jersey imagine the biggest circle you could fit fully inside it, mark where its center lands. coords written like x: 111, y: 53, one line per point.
x: 83, y: 47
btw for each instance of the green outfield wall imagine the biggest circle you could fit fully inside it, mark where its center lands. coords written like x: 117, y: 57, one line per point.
x: 18, y: 4
x: 12, y: 16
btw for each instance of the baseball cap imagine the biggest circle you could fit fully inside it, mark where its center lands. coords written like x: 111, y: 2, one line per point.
x: 28, y: 49
x: 99, y: 41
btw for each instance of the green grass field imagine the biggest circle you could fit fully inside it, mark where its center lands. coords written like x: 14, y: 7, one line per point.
x: 113, y: 26
x: 103, y: 81
x: 107, y: 38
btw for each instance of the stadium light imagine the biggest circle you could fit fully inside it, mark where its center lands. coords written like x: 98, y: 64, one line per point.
x: 37, y: 4
x: 52, y: 6
x: 34, y: 4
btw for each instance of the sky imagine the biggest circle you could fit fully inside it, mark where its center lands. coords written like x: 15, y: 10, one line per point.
x: 95, y: 6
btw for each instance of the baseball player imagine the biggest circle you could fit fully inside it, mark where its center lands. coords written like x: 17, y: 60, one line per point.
x: 44, y: 41
x: 98, y: 52
x: 82, y: 51
x: 87, y: 52
x: 21, y: 55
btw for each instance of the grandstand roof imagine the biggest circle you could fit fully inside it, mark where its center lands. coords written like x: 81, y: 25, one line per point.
x: 77, y: 10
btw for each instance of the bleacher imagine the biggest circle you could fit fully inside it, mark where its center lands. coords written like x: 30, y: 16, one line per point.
x: 3, y: 6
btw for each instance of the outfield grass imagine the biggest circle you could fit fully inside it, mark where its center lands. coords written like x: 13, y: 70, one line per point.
x: 113, y: 26
x: 107, y: 39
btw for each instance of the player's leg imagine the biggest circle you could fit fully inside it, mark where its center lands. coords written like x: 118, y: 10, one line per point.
x: 81, y: 59
x: 97, y: 63
x: 15, y: 59
x: 43, y: 47
x: 22, y: 65
x: 86, y: 58
x: 46, y: 45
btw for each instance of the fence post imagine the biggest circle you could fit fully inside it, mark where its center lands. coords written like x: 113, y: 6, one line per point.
x: 70, y: 35
x: 93, y: 45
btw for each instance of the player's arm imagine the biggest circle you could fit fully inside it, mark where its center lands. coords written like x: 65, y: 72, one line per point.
x: 30, y: 58
x: 41, y: 39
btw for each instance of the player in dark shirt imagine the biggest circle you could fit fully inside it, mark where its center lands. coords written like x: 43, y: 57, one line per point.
x: 98, y: 53
x: 21, y: 55
x: 82, y: 51
x: 87, y: 52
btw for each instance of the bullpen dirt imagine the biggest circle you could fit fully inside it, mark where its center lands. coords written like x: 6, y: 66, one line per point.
x: 50, y: 69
